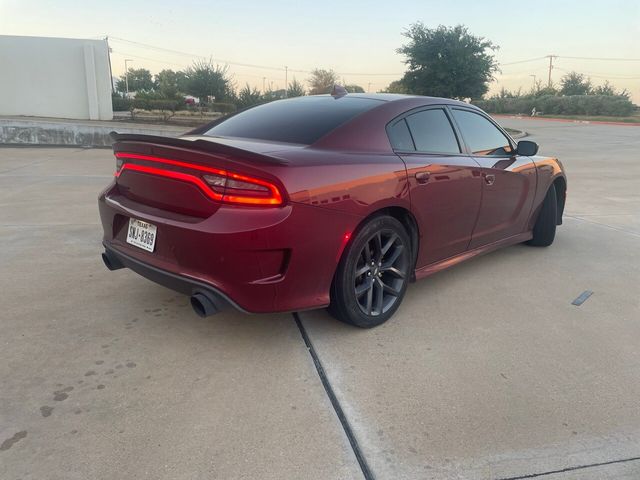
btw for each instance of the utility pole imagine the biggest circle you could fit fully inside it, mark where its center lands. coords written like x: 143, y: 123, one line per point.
x: 264, y: 79
x: 534, y: 80
x: 551, y: 57
x: 106, y: 40
x: 126, y: 74
x: 286, y: 81
x: 369, y: 87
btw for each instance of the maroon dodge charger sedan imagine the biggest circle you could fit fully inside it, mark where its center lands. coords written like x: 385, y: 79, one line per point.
x: 332, y: 200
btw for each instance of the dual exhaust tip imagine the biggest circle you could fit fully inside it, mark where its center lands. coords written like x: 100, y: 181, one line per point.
x: 203, y: 303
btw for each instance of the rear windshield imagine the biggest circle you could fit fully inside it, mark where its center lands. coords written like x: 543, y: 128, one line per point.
x: 297, y: 120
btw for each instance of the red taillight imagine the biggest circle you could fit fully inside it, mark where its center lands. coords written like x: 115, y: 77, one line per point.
x: 217, y: 184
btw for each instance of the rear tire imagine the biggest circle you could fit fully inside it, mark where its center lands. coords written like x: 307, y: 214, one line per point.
x: 544, y: 230
x: 373, y: 274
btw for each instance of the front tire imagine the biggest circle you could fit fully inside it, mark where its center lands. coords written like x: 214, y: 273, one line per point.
x: 544, y: 231
x: 373, y: 274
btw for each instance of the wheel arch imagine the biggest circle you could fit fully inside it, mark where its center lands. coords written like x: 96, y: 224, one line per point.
x: 560, y: 184
x: 408, y: 221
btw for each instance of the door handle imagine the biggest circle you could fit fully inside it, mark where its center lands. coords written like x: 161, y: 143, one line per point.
x: 489, y: 179
x: 422, y: 177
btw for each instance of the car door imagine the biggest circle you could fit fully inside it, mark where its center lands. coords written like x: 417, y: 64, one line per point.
x: 508, y: 179
x: 444, y: 182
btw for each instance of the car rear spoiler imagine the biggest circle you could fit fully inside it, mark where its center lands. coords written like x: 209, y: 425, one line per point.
x: 206, y: 146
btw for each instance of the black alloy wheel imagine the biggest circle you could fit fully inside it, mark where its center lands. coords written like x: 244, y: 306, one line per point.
x: 373, y: 273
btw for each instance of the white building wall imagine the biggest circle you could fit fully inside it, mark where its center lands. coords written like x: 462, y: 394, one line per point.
x: 55, y: 77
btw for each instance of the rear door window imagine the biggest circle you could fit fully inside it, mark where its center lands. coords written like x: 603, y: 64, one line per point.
x: 432, y: 132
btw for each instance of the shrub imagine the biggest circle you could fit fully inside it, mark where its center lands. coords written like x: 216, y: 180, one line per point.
x: 222, y: 107
x: 120, y: 104
x: 609, y: 105
x: 155, y: 104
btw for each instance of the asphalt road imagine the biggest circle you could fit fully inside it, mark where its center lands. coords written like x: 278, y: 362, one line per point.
x: 487, y: 371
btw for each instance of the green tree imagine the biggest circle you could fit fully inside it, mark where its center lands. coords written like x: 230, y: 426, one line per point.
x: 140, y: 80
x: 204, y: 79
x: 605, y: 89
x: 166, y: 83
x: 271, y: 95
x: 447, y: 62
x: 540, y: 90
x: 248, y: 97
x: 504, y: 93
x: 295, y: 89
x: 353, y: 88
x: 395, y: 87
x: 181, y: 81
x: 574, y: 83
x: 322, y: 81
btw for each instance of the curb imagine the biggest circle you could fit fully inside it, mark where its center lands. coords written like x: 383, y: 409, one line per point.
x: 519, y: 135
x: 566, y: 120
x: 41, y: 132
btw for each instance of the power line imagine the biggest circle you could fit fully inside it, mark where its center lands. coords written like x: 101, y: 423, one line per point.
x: 149, y: 59
x: 607, y: 59
x: 240, y: 64
x: 353, y: 74
x: 522, y: 61
x: 277, y: 79
x: 600, y: 75
x: 193, y: 55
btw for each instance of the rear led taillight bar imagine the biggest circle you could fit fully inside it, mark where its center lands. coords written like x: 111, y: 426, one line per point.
x: 217, y: 184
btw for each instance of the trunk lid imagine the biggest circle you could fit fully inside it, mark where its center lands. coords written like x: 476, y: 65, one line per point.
x: 195, y: 175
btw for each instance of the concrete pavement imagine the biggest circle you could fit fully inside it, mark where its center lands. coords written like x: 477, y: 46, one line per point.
x: 486, y: 372
x: 105, y: 375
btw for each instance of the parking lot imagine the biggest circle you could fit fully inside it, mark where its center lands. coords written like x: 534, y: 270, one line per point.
x: 487, y: 371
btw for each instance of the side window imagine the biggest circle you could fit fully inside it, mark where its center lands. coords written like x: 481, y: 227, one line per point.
x: 432, y: 132
x: 400, y: 137
x: 482, y: 136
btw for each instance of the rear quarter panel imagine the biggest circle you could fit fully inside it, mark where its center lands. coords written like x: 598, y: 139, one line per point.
x: 354, y: 183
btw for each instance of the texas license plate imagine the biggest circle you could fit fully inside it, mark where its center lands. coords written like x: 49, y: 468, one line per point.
x: 141, y: 234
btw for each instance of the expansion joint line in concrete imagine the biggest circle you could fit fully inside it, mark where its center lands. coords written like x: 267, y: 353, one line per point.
x: 353, y: 441
x: 571, y: 469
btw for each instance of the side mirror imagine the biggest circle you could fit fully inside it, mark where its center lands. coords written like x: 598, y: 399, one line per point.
x: 527, y: 148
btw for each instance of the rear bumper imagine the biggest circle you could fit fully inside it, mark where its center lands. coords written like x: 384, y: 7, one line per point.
x: 170, y: 280
x: 259, y: 260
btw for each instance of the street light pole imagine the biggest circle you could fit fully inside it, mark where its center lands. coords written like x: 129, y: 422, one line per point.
x: 126, y: 74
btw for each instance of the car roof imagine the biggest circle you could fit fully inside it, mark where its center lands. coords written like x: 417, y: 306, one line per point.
x: 356, y: 134
x: 394, y: 97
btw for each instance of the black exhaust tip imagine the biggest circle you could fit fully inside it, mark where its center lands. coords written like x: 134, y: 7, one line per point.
x: 203, y: 305
x: 111, y: 262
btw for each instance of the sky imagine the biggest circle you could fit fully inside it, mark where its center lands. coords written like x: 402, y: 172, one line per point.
x: 358, y: 39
